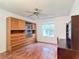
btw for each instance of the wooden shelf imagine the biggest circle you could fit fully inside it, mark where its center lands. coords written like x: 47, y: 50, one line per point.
x: 17, y: 36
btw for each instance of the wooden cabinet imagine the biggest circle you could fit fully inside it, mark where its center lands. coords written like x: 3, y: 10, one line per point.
x: 21, y: 25
x: 14, y: 23
x: 31, y: 31
x: 16, y: 33
x: 17, y: 41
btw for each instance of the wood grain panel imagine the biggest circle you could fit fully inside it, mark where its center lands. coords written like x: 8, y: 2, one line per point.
x: 21, y: 25
x: 75, y: 32
x: 67, y: 54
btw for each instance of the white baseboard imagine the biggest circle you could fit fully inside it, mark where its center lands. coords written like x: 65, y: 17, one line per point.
x: 2, y: 51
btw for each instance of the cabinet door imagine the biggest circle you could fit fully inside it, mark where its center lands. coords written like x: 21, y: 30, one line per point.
x: 21, y: 25
x: 14, y: 24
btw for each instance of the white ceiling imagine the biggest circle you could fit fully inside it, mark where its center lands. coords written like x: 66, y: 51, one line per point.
x: 51, y: 8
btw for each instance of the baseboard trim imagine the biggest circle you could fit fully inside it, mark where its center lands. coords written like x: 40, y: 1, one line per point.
x: 2, y: 51
x: 46, y: 43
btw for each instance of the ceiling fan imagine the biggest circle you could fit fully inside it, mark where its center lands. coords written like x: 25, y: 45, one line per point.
x: 36, y: 12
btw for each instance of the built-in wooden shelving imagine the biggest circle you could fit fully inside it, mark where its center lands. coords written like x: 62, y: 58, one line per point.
x: 20, y: 33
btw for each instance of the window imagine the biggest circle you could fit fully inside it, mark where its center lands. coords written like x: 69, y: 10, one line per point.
x: 48, y: 30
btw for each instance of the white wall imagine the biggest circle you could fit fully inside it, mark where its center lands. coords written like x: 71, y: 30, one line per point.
x: 60, y: 26
x: 75, y: 8
x: 3, y: 15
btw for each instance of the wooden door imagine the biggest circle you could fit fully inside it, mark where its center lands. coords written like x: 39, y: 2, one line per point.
x: 75, y: 32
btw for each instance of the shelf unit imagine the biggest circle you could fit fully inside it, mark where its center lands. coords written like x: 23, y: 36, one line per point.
x: 16, y: 30
x: 30, y: 29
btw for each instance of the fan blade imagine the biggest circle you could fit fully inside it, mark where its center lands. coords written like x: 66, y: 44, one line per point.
x: 28, y: 11
x: 36, y: 9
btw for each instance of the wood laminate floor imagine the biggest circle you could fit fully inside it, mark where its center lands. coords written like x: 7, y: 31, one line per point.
x: 33, y: 51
